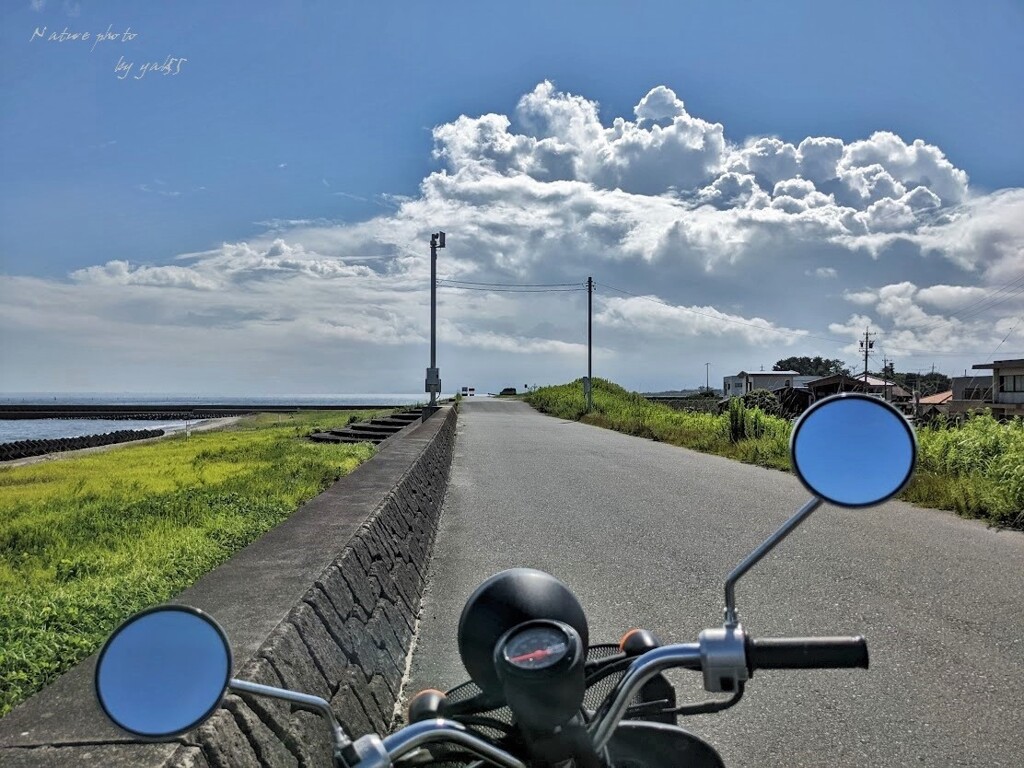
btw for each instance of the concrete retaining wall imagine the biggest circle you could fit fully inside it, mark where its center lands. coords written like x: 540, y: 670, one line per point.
x: 326, y: 603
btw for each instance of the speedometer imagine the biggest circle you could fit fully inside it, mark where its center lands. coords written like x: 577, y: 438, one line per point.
x: 540, y: 664
x: 536, y: 647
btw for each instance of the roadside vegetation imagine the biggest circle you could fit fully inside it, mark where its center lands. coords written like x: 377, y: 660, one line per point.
x: 975, y: 469
x: 87, y: 541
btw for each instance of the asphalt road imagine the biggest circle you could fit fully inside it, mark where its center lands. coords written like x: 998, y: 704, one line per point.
x: 645, y: 533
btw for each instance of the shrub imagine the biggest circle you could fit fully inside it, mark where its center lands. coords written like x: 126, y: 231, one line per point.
x: 737, y: 419
x: 763, y: 399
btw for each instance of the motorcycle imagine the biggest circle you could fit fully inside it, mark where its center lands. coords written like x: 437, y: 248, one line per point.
x: 539, y: 694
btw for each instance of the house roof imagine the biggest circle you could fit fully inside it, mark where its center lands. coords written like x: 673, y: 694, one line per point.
x: 872, y: 381
x: 999, y: 364
x: 938, y: 399
x: 768, y: 373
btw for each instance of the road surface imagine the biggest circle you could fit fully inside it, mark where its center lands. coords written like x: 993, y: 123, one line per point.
x: 644, y: 533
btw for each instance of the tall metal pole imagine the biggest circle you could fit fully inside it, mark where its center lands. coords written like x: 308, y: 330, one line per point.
x: 433, y: 315
x: 433, y: 382
x: 590, y: 343
x: 707, y: 377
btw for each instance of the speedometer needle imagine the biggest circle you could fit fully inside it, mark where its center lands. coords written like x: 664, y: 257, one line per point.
x: 540, y: 653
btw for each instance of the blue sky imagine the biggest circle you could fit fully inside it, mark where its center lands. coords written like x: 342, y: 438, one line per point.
x: 310, y: 122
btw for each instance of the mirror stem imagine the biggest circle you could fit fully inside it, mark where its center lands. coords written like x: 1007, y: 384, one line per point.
x: 731, y: 619
x: 311, y: 703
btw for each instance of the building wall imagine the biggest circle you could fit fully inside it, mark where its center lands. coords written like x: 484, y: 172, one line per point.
x: 734, y: 386
x: 1010, y: 384
x: 973, y: 387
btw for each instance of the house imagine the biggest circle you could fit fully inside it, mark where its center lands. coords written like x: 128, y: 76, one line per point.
x: 930, y: 406
x: 744, y: 381
x: 829, y: 385
x: 1002, y: 391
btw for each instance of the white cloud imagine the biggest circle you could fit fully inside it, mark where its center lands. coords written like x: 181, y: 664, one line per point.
x: 770, y: 160
x: 660, y: 103
x: 566, y: 140
x: 966, y: 323
x: 985, y: 233
x: 818, y: 158
x: 916, y: 164
x: 951, y: 296
x: 648, y: 315
x: 123, y: 273
x: 864, y: 298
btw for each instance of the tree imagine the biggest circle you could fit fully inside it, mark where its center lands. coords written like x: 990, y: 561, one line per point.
x: 812, y: 366
x: 928, y: 384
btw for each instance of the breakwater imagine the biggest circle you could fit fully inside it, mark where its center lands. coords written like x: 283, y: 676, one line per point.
x: 23, y: 449
x: 325, y: 603
x: 171, y: 411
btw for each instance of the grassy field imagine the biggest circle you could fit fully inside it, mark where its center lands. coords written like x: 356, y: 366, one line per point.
x: 976, y: 469
x: 88, y: 540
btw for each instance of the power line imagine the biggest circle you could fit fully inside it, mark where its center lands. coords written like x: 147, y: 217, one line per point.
x: 511, y: 285
x: 993, y: 355
x: 512, y: 290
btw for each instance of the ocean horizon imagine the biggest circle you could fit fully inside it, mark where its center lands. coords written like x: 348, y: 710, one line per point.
x: 180, y: 398
x: 12, y: 430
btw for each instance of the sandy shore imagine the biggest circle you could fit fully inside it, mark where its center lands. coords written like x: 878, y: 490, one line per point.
x: 204, y: 427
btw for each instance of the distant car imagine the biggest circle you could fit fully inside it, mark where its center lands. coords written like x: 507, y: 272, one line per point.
x: 508, y: 391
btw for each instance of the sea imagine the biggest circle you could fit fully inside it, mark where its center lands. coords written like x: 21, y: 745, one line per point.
x: 48, y: 429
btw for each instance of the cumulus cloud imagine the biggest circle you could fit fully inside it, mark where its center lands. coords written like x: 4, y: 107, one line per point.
x: 967, y: 319
x: 742, y: 243
x: 566, y: 140
x: 865, y: 298
x: 951, y: 296
x: 916, y: 164
x: 660, y: 103
x: 650, y: 315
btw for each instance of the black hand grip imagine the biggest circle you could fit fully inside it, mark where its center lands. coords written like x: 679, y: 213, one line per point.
x: 807, y: 653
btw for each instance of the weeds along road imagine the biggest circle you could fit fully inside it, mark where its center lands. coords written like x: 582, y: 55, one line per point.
x: 644, y: 533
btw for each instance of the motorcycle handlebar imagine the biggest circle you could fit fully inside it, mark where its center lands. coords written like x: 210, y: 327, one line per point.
x: 807, y: 653
x: 762, y: 653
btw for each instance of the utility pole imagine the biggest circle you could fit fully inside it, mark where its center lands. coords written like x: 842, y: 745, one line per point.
x: 433, y: 383
x: 590, y: 343
x: 867, y: 344
x: 885, y: 379
x: 707, y: 377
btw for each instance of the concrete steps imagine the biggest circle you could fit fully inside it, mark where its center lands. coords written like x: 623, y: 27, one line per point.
x: 374, y: 431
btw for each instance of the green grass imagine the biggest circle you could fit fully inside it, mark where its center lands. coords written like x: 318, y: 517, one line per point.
x: 755, y: 437
x: 976, y: 469
x: 88, y: 540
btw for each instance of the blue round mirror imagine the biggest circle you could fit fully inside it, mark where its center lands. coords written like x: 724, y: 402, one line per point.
x: 853, y: 450
x: 164, y: 671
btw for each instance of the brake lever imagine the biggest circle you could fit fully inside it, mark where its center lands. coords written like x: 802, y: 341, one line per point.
x: 710, y: 707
